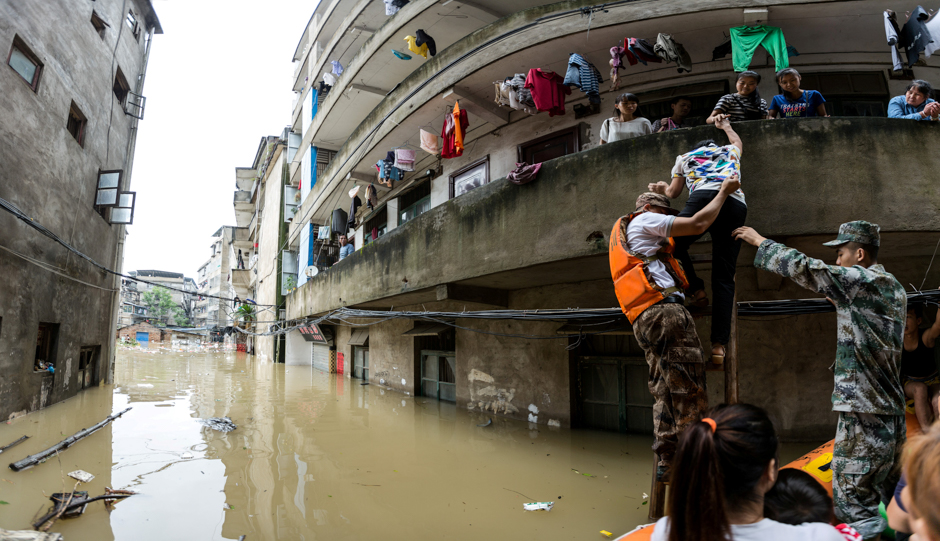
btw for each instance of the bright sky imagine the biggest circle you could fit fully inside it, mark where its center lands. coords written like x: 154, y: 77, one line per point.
x: 219, y: 80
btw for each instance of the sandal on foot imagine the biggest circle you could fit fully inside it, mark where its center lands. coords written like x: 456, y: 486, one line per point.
x: 719, y: 359
x: 699, y: 299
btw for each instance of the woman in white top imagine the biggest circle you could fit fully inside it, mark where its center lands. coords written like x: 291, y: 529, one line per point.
x: 724, y: 465
x: 625, y: 124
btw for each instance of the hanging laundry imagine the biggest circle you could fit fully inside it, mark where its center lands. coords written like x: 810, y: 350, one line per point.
x: 914, y: 36
x: 616, y: 56
x: 503, y: 90
x: 337, y: 67
x: 548, y: 92
x: 413, y: 47
x: 521, y: 97
x: 891, y: 33
x: 422, y: 38
x: 585, y: 76
x: 401, y: 55
x: 372, y: 197
x: 524, y: 173
x: 722, y: 50
x: 353, y: 209
x: 791, y: 51
x: 323, y: 90
x: 375, y: 233
x: 638, y: 49
x: 405, y: 159
x: 614, y: 76
x: 329, y: 78
x: 933, y: 26
x: 449, y: 133
x: 392, y: 6
x: 745, y: 39
x: 429, y: 142
x: 459, y: 129
x: 670, y: 51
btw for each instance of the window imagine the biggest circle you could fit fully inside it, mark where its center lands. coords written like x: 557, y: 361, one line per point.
x: 87, y: 366
x: 379, y: 223
x: 24, y: 62
x: 553, y: 145
x: 438, y: 375
x: 132, y: 23
x: 123, y: 212
x: 76, y: 124
x: 106, y: 192
x: 127, y: 309
x: 98, y: 23
x: 415, y: 202
x: 121, y: 88
x: 470, y: 177
x: 852, y: 93
x: 46, y: 346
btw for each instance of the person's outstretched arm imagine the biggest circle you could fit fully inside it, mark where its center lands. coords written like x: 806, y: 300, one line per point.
x: 698, y: 224
x: 929, y: 338
x: 725, y: 125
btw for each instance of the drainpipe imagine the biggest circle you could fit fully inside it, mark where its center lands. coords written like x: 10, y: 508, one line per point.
x: 122, y: 230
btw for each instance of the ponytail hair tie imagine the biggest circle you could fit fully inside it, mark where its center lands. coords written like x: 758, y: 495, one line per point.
x: 711, y: 423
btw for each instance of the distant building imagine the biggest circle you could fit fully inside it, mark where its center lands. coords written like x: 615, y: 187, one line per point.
x: 148, y: 335
x: 132, y: 309
x: 183, y: 291
x: 71, y: 97
x: 214, y: 280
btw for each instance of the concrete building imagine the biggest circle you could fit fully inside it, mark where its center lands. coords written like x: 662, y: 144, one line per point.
x: 132, y: 309
x: 455, y: 235
x: 181, y: 289
x: 262, y: 201
x: 148, y: 335
x: 214, y: 280
x: 71, y: 96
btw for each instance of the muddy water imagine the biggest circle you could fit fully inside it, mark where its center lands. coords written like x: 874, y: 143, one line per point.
x: 314, y: 456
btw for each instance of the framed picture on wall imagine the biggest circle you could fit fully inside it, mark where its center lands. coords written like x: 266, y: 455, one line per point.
x: 470, y: 177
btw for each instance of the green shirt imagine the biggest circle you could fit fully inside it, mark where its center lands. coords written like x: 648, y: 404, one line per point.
x: 871, y: 306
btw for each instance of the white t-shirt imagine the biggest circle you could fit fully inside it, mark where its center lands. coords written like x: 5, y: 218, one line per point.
x: 646, y: 234
x: 767, y: 530
x: 615, y: 130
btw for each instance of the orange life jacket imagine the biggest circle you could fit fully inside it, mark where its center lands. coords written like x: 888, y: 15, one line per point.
x: 635, y: 288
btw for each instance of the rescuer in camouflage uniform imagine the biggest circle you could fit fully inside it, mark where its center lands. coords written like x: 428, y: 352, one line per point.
x: 871, y: 307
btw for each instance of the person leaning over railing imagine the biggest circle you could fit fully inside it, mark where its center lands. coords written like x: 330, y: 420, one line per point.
x: 795, y: 102
x: 745, y: 104
x: 916, y: 103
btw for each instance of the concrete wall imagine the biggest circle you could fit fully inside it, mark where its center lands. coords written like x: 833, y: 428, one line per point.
x: 52, y: 178
x: 269, y: 227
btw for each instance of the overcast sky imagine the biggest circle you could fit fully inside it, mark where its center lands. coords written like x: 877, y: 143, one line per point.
x: 219, y: 79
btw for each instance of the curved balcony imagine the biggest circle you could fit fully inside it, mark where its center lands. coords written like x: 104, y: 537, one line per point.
x: 802, y: 179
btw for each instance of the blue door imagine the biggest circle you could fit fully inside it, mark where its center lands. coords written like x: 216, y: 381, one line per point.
x: 144, y: 339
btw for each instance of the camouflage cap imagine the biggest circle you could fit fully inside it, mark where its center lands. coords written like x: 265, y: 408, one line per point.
x: 655, y: 199
x: 858, y: 231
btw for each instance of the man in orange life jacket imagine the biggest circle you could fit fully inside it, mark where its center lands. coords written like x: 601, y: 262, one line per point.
x: 649, y: 283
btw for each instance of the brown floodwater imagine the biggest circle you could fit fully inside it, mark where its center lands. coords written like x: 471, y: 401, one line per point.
x: 315, y: 456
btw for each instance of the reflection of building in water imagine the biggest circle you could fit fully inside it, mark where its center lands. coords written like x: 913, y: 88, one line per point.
x: 454, y: 235
x: 71, y: 93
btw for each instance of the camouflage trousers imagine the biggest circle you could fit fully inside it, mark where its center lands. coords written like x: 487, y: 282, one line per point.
x: 866, y: 467
x: 667, y: 334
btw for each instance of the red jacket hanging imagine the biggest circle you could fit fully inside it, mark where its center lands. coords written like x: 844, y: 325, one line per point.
x: 548, y: 92
x: 450, y: 148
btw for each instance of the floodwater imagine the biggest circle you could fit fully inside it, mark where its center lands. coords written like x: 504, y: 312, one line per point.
x: 315, y: 456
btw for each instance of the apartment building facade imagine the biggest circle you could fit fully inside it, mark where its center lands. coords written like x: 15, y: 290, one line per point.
x: 455, y: 235
x: 72, y: 97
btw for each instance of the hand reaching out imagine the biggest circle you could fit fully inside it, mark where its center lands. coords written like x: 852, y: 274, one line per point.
x: 731, y: 184
x: 722, y: 122
x: 748, y: 235
x: 658, y: 187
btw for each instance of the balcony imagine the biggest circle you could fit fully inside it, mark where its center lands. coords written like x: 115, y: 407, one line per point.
x: 802, y: 179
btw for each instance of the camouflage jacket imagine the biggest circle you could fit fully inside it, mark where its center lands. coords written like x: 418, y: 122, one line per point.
x: 871, y: 307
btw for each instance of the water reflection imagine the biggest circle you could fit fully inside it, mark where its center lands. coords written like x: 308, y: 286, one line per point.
x: 316, y: 457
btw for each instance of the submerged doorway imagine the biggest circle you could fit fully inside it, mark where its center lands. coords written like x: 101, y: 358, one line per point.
x: 439, y: 375
x: 360, y: 367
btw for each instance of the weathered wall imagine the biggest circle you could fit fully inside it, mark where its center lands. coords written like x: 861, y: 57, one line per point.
x: 268, y: 247
x: 52, y: 178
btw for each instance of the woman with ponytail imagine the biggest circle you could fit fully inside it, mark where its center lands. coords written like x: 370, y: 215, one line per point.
x: 723, y: 467
x: 745, y: 104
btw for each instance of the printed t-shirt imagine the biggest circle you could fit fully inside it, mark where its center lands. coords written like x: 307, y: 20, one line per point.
x: 548, y: 92
x: 739, y: 108
x: 615, y: 130
x: 802, y: 107
x: 646, y: 234
x: 707, y: 167
x: 767, y: 530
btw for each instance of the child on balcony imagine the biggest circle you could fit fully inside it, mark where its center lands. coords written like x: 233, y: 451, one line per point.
x: 795, y: 102
x: 745, y: 104
x: 703, y: 170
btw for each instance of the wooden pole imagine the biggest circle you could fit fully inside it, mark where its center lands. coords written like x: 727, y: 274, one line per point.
x: 32, y: 460
x: 17, y: 442
x: 731, y: 358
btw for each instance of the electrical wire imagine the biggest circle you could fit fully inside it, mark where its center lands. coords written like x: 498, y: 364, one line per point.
x: 55, y: 270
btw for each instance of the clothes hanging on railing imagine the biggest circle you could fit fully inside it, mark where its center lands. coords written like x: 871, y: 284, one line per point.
x: 670, y: 51
x: 914, y: 36
x: 422, y: 38
x: 329, y: 78
x: 585, y: 76
x: 405, y: 159
x: 520, y: 97
x: 548, y: 92
x: 455, y: 123
x: 413, y: 47
x: 337, y: 67
x: 392, y: 6
x: 746, y: 39
x: 933, y: 26
x: 524, y: 173
x: 353, y: 209
x: 616, y: 55
x: 638, y: 49
x: 429, y: 142
x: 891, y: 33
x: 372, y: 197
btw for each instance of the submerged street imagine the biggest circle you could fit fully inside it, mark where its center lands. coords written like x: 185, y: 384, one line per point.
x: 315, y: 456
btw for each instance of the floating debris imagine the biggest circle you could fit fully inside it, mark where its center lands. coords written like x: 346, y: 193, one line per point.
x: 487, y: 423
x: 538, y: 506
x: 28, y: 535
x: 222, y: 424
x: 81, y: 475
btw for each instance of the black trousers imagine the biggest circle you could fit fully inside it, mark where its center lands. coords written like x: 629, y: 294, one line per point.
x: 724, y: 257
